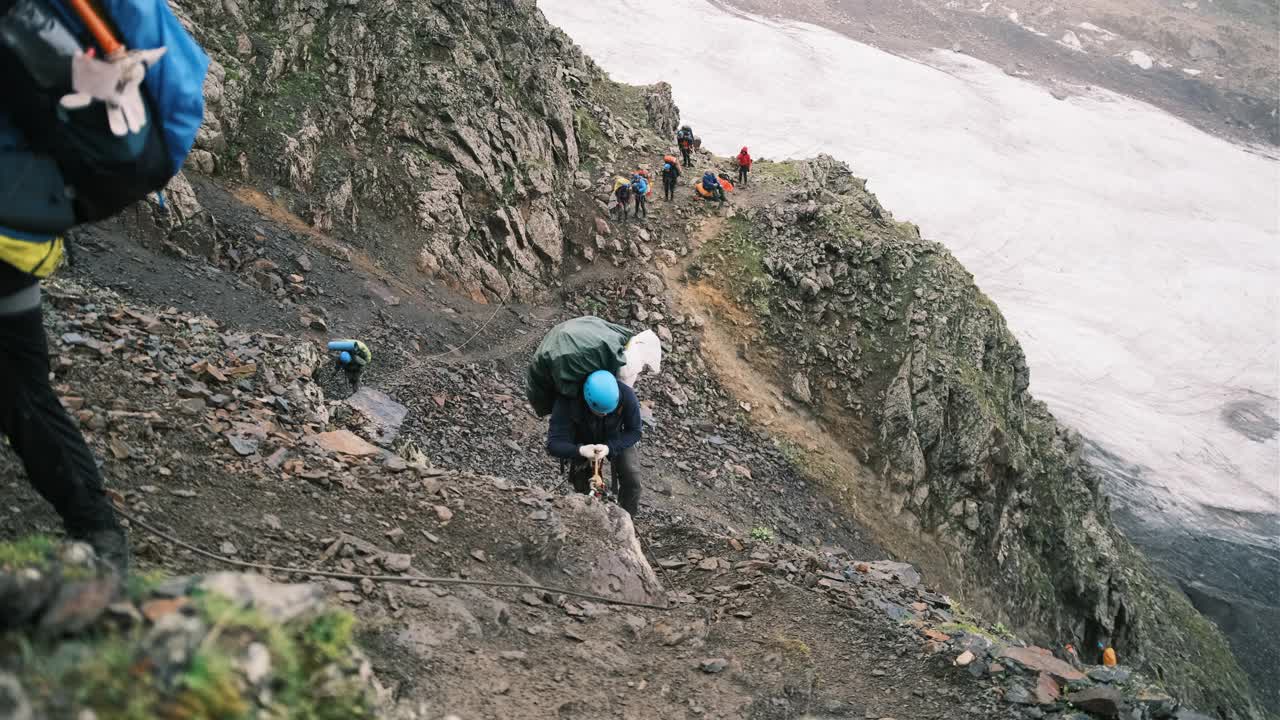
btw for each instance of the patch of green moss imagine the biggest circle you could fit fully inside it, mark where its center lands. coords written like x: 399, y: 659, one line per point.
x: 26, y: 552
x: 140, y: 584
x: 110, y: 674
x: 738, y: 257
x: 785, y: 171
x: 588, y: 131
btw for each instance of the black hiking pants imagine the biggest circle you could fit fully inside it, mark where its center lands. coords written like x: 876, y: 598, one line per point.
x: 58, y: 462
x: 668, y: 188
x: 642, y: 206
x: 624, y: 469
x: 742, y: 174
x: 686, y: 152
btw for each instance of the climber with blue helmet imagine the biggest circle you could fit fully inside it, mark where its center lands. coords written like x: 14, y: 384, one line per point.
x: 603, y: 424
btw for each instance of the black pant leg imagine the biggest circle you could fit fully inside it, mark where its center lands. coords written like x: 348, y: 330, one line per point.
x: 58, y: 462
x: 625, y: 467
x: 580, y: 476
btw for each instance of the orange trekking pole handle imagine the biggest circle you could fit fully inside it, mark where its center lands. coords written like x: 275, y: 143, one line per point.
x: 98, y: 28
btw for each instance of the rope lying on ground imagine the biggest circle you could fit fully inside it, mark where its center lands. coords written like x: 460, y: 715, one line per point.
x: 382, y: 578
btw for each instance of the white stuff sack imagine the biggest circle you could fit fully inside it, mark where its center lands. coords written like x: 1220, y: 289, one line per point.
x: 643, y: 352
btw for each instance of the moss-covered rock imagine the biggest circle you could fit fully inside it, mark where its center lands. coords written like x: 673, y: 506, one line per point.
x: 222, y: 646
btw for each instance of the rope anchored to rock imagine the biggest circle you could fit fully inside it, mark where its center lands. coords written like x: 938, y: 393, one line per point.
x: 382, y: 578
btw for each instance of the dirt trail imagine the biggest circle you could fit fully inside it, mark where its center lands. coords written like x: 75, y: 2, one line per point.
x: 739, y: 356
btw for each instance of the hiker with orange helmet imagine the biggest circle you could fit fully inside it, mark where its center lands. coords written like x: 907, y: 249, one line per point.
x: 744, y: 165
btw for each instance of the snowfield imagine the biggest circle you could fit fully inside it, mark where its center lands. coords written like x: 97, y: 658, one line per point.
x: 1136, y: 258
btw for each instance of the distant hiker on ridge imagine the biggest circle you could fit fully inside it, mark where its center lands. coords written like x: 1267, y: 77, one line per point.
x: 622, y: 195
x: 711, y: 184
x: 685, y: 139
x: 640, y: 188
x: 670, y: 174
x: 744, y: 165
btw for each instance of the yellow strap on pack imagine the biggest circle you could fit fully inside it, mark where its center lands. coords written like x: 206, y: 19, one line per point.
x: 34, y: 258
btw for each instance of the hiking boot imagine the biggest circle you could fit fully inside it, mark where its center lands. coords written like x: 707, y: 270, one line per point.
x: 112, y: 547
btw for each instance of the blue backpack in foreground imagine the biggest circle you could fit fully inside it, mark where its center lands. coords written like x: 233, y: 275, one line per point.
x: 103, y: 173
x: 176, y: 83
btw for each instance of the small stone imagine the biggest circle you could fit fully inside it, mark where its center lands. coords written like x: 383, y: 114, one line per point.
x: 397, y: 562
x: 191, y: 406
x: 513, y: 655
x: 227, y: 548
x: 443, y: 514
x: 1018, y: 695
x: 256, y: 664
x: 743, y: 614
x: 964, y: 659
x: 394, y: 534
x: 153, y: 610
x: 1047, y: 690
x: 13, y: 699
x: 1102, y: 700
x: 714, y: 665
x: 800, y: 388
x: 1110, y: 675
x: 480, y: 555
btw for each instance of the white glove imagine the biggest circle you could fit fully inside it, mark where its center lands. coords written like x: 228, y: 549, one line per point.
x: 601, y: 452
x: 588, y: 451
x: 115, y: 83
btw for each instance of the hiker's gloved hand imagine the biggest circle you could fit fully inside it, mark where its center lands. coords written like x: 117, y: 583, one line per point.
x: 601, y: 452
x: 588, y: 452
x: 116, y: 84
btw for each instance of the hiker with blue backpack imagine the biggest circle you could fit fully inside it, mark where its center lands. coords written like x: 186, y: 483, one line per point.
x: 352, y: 358
x: 91, y: 124
x: 640, y: 188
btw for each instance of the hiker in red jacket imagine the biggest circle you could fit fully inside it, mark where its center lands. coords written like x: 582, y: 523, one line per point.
x: 744, y: 165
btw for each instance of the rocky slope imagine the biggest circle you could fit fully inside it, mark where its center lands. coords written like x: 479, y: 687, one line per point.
x: 892, y: 347
x: 358, y: 158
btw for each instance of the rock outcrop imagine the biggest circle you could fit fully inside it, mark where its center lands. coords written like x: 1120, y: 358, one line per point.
x: 222, y: 645
x: 443, y: 135
x: 900, y: 355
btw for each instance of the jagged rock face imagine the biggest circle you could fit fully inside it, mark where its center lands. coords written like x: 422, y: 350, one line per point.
x: 899, y: 351
x: 664, y: 116
x: 441, y: 134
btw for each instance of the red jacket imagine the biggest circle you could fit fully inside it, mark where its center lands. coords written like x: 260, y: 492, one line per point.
x: 744, y: 159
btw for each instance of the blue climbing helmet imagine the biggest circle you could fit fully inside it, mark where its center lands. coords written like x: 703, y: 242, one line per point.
x: 709, y: 178
x: 601, y: 392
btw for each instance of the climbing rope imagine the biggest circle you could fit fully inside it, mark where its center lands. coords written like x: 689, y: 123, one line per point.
x: 381, y: 578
